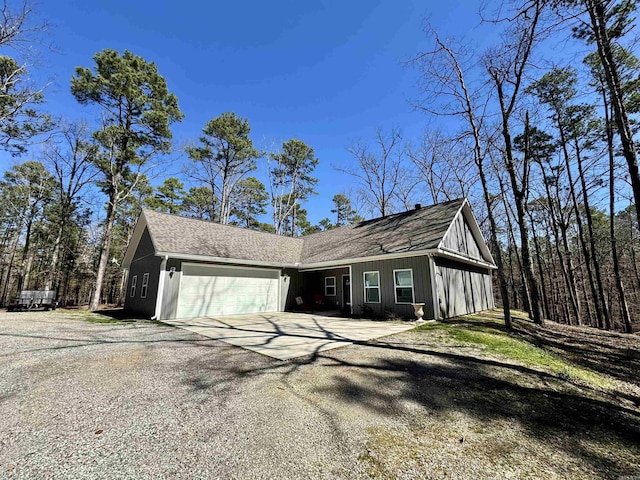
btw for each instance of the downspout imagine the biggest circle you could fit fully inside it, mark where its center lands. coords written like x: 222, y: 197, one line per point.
x: 350, y: 291
x: 435, y: 301
x: 161, y: 276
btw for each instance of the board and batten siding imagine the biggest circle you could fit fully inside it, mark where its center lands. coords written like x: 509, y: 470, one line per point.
x: 330, y: 301
x: 462, y: 288
x: 421, y: 286
x: 460, y: 239
x: 292, y: 285
x: 144, y: 261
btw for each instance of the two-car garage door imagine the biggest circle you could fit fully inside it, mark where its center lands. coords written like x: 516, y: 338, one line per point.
x: 207, y: 290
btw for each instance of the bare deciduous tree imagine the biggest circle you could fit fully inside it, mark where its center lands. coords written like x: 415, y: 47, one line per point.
x: 378, y: 171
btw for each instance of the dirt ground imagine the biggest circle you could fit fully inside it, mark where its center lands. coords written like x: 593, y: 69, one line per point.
x: 143, y: 400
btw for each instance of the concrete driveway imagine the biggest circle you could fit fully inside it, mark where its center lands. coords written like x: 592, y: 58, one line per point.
x: 288, y: 335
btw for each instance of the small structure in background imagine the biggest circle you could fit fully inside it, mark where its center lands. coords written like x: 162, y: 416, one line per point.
x: 32, y: 299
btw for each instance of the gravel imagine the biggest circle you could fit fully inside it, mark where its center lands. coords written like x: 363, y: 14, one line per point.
x: 141, y: 400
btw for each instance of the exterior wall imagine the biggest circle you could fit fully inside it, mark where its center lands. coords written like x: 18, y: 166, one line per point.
x: 422, y: 290
x: 460, y: 239
x: 144, y: 261
x: 462, y: 288
x: 292, y: 285
x: 330, y: 301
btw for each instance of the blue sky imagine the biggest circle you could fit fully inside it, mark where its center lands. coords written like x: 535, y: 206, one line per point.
x: 326, y: 72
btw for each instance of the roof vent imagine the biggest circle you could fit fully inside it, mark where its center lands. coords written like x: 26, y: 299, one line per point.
x: 418, y: 206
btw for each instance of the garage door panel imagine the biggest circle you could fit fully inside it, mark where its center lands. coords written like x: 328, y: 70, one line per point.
x: 225, y: 291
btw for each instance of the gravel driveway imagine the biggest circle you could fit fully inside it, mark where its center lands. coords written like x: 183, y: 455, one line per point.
x: 141, y: 400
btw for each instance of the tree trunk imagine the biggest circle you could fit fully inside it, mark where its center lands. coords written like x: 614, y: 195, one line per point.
x: 5, y: 289
x: 23, y: 276
x: 597, y: 15
x: 52, y: 277
x: 512, y: 240
x: 504, y: 291
x: 94, y: 304
x: 566, y: 261
x: 519, y: 197
x: 592, y: 243
x: 624, y: 308
x: 579, y: 223
x: 536, y: 246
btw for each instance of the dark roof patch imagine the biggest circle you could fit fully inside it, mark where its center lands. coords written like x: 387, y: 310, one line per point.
x: 413, y: 230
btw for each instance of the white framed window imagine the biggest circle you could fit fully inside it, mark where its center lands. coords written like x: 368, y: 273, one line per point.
x: 134, y: 281
x: 371, y: 287
x: 330, y: 286
x: 403, y: 285
x: 145, y: 286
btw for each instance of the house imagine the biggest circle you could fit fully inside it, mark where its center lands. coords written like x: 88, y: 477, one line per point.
x: 183, y: 267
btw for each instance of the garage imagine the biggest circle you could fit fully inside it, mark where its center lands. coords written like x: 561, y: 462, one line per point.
x: 214, y: 290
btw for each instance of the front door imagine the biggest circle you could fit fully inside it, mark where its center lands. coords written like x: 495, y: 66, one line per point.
x: 346, y: 292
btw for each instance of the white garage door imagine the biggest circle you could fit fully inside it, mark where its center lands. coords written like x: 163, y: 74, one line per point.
x: 206, y: 290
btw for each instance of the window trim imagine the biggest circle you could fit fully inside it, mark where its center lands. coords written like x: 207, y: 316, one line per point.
x: 395, y: 287
x: 334, y: 286
x: 364, y: 284
x: 132, y: 288
x: 145, y: 285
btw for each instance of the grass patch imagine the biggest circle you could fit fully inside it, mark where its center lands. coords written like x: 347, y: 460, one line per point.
x: 492, y: 336
x: 97, y: 318
x: 102, y: 316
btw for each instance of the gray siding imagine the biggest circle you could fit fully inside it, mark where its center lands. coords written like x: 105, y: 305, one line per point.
x: 462, y: 288
x: 291, y: 287
x: 331, y: 301
x: 170, y: 293
x: 144, y: 261
x: 421, y: 286
x: 460, y: 239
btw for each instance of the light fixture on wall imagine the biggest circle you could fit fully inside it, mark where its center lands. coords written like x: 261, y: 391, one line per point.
x: 172, y: 270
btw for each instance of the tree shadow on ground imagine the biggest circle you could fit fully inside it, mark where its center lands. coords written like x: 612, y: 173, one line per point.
x: 587, y: 424
x: 384, y: 376
x: 556, y: 417
x: 119, y: 313
x: 610, y: 353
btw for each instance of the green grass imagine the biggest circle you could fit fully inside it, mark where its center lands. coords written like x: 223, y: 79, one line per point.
x: 97, y: 318
x: 487, y: 332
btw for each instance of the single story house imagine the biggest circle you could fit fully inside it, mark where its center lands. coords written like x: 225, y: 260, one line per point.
x: 182, y: 267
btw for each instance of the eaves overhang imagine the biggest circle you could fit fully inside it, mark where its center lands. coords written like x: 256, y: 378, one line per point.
x: 436, y: 252
x: 230, y: 261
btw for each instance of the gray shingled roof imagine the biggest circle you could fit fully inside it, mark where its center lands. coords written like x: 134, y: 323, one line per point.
x: 173, y: 234
x: 420, y: 229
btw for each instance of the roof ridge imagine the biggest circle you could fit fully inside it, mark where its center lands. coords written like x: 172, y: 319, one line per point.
x: 352, y: 225
x: 217, y: 224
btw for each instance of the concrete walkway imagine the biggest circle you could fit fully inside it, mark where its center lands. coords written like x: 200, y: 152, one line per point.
x: 289, y: 335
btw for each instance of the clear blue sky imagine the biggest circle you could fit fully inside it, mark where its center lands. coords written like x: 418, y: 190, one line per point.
x: 326, y: 72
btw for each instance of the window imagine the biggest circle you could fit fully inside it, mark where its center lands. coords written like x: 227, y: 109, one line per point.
x: 145, y: 284
x: 134, y: 280
x: 371, y: 287
x: 330, y: 286
x: 403, y: 283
